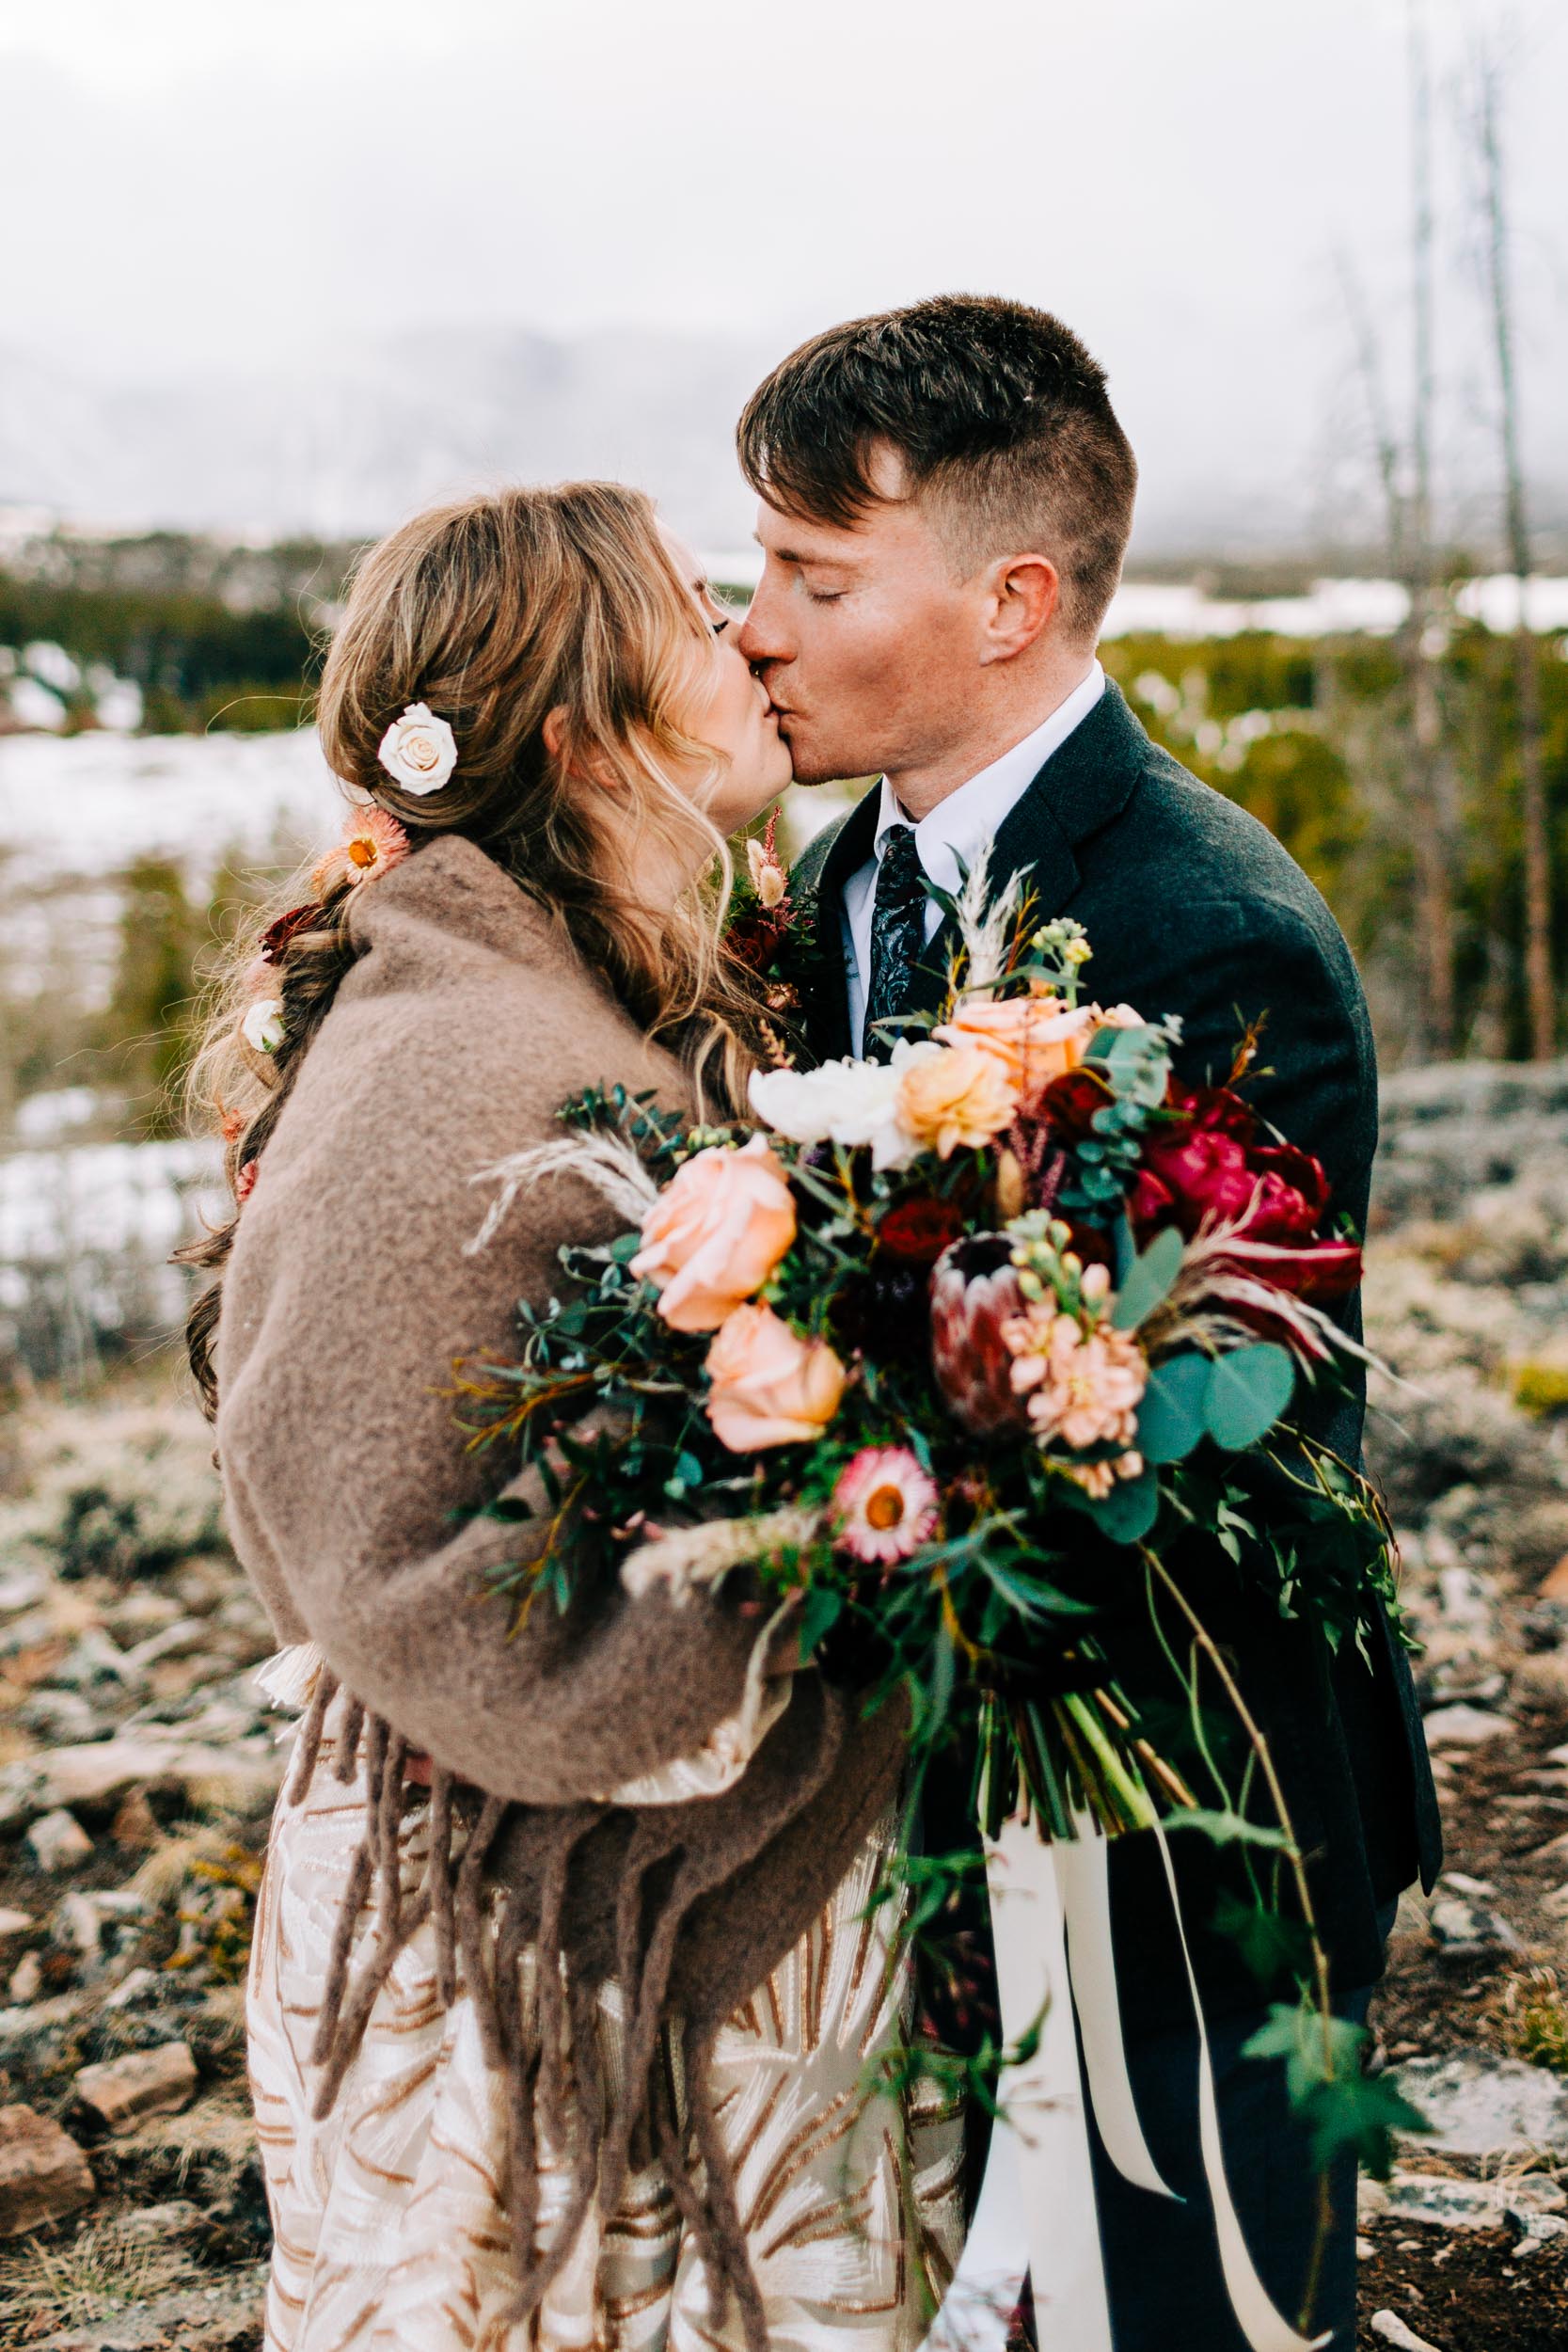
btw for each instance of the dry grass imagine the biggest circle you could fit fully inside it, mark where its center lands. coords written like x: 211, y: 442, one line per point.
x: 1537, y: 2013
x: 86, y: 2278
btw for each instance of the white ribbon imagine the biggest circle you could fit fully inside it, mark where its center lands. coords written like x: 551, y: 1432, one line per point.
x: 1037, y: 2204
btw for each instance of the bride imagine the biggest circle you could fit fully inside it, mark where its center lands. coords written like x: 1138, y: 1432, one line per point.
x: 567, y: 1992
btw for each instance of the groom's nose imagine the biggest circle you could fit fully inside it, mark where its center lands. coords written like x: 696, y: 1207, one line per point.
x: 763, y: 638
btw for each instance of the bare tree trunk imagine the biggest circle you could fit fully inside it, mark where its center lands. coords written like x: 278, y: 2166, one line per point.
x: 1538, y: 874
x: 1430, y: 784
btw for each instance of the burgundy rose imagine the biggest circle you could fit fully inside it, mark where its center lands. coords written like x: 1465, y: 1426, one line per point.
x: 915, y: 1233
x: 1069, y: 1104
x: 1204, y: 1173
x: 1295, y: 1193
x: 278, y: 936
x: 754, y: 940
x: 1217, y: 1107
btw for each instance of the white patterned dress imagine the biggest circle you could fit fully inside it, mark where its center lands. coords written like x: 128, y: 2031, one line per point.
x: 390, y: 2234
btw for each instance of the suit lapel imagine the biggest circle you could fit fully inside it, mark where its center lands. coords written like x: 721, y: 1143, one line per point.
x: 1084, y: 785
x: 820, y: 875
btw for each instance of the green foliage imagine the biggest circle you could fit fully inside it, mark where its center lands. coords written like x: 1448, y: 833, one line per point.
x: 1542, y: 1389
x: 146, y: 1035
x: 1343, y: 2107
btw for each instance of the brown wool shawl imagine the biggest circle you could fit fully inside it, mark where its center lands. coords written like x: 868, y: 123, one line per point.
x: 467, y: 1018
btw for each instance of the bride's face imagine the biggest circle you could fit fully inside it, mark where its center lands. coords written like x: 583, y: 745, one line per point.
x: 735, y: 719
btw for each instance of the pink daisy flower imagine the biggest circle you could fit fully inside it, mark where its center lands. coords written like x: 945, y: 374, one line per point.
x: 885, y: 1504
x: 372, y: 843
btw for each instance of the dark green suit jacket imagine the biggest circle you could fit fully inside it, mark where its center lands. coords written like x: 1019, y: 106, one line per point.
x: 1192, y: 907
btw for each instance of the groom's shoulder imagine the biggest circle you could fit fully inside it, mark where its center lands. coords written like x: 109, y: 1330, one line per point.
x: 805, y: 875
x: 1180, y: 847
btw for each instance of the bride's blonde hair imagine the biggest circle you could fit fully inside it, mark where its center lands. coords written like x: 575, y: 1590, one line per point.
x: 496, y: 611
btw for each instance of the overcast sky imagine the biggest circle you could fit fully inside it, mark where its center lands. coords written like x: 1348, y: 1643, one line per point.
x: 192, y: 183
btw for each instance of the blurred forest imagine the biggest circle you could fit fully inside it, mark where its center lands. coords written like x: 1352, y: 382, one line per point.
x: 1316, y: 737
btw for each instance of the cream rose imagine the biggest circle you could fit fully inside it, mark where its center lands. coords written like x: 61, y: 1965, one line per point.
x: 418, y: 751
x: 715, y: 1235
x: 960, y: 1095
x: 263, y: 1026
x: 769, y: 1388
x: 1034, y: 1039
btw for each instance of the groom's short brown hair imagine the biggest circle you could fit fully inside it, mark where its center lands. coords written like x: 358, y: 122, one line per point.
x: 1001, y: 418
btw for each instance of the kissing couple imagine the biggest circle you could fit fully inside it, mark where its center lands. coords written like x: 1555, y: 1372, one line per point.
x: 578, y: 2010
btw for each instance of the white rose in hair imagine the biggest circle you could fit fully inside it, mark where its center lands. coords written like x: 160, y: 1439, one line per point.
x: 263, y: 1026
x: 418, y: 751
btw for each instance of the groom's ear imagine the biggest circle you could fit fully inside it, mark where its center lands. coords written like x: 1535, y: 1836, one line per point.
x: 1022, y: 596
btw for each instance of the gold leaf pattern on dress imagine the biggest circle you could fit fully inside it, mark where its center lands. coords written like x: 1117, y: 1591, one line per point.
x: 390, y: 2231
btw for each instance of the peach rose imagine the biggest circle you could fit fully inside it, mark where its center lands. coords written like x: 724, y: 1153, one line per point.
x: 769, y: 1388
x: 715, y: 1234
x: 1034, y: 1039
x: 963, y: 1095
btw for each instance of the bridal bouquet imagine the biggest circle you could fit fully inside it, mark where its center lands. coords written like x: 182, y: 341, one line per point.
x: 954, y: 1353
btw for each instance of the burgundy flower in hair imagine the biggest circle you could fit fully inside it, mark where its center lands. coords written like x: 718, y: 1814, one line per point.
x: 278, y: 936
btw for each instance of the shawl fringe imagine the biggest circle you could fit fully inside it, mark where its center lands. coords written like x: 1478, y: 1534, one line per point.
x: 561, y: 2054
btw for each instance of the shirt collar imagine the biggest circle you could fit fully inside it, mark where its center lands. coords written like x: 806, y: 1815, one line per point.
x: 969, y: 819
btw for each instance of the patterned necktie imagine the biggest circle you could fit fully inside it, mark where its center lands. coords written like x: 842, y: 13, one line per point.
x: 898, y: 938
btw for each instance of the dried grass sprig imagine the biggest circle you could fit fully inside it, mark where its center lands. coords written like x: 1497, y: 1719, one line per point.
x: 692, y: 1556
x: 600, y: 1157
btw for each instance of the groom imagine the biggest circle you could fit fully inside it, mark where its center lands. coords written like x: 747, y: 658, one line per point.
x: 946, y: 498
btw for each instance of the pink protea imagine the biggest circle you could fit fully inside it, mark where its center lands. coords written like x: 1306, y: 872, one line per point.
x: 975, y: 1294
x: 886, y: 1505
x: 1084, y: 1386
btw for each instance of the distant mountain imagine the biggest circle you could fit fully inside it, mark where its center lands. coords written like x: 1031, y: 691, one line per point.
x: 376, y: 432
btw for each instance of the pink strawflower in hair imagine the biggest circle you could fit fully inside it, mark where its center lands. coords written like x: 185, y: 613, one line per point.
x: 886, y: 1505
x: 372, y: 843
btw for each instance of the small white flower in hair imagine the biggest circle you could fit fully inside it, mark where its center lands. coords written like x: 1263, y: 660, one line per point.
x: 263, y: 1026
x: 418, y: 751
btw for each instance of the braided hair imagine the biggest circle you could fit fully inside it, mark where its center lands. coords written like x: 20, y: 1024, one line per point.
x: 493, y: 615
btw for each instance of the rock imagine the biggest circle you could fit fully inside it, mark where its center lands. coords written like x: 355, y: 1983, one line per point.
x: 1372, y: 2199
x: 135, y: 1825
x: 79, y: 1923
x: 12, y: 1922
x: 1545, y: 1626
x: 1391, y: 2328
x: 140, y: 1986
x: 1540, y: 1542
x: 20, y: 1588
x: 124, y: 2090
x: 1478, y: 2105
x: 242, y: 1775
x: 1539, y: 2230
x: 43, y: 2174
x: 36, y: 2030
x: 156, y: 2224
x: 1465, y: 1727
x: 93, y: 1658
x: 58, y: 1715
x: 1463, y: 1883
x: 1463, y: 1930
x: 27, y: 1978
x: 1449, y: 2205
x: 58, y: 1841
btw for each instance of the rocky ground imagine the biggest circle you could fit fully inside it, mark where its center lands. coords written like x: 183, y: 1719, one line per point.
x: 138, y: 1764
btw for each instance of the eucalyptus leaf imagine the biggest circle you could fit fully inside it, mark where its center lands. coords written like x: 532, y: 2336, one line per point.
x: 1129, y: 1511
x: 1150, y: 1280
x: 1171, y: 1416
x: 1248, y: 1389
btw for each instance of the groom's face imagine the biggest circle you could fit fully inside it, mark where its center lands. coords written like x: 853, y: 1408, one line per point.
x: 868, y: 644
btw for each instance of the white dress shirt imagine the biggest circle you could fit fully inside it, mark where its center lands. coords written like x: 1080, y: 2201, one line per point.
x: 966, y: 822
